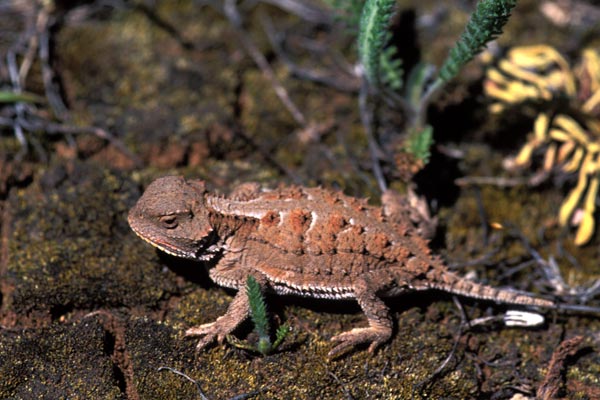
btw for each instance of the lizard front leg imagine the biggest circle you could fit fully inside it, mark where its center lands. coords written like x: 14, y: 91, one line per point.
x: 378, y: 316
x: 236, y: 313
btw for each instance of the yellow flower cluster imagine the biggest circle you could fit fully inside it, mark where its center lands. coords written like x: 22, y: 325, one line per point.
x: 570, y: 137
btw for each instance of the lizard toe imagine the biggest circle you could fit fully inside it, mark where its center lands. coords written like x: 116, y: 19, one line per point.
x: 356, y: 336
x: 207, y: 331
x: 205, y: 341
x: 199, y: 330
x: 339, y: 350
x: 210, y: 332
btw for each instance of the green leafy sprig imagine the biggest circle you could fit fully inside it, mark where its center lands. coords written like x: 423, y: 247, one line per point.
x: 382, y: 69
x: 373, y: 37
x: 390, y: 66
x: 13, y: 97
x: 485, y: 25
x: 258, y: 313
x: 418, y: 143
x: 260, y: 318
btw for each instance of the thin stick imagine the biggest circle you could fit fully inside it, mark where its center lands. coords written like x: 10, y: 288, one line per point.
x: 367, y: 121
x: 52, y: 94
x: 303, y: 9
x: 501, y: 182
x: 53, y: 128
x: 426, y: 100
x: 195, y: 382
x: 346, y: 83
x: 476, y: 261
x: 29, y: 56
x: 461, y: 328
x: 232, y: 14
x: 269, y: 157
x: 341, y: 384
x: 11, y: 62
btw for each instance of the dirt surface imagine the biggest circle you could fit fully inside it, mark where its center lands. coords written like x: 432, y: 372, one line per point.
x: 90, y: 311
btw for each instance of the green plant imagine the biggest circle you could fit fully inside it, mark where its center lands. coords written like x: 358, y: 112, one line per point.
x: 418, y: 142
x: 260, y: 318
x: 385, y: 76
x: 13, y: 97
x: 486, y: 24
x: 372, y: 39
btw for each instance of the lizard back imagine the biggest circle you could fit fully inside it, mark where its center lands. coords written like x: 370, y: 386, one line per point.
x: 311, y: 237
x: 317, y: 240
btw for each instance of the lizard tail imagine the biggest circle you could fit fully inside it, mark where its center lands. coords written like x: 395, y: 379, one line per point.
x: 453, y: 283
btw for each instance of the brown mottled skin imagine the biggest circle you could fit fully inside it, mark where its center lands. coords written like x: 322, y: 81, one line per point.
x: 308, y: 242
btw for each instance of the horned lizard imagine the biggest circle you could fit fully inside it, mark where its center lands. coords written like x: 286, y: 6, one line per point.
x: 308, y: 242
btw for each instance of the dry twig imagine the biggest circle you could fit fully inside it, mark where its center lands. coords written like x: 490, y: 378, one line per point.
x: 34, y: 43
x: 235, y: 19
x: 551, y: 386
x: 347, y: 82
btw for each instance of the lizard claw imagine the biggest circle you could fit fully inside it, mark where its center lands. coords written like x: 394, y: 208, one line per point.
x: 199, y: 330
x: 210, y: 331
x: 205, y: 330
x: 356, y: 336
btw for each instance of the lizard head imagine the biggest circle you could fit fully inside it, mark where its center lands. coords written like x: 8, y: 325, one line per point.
x: 172, y: 216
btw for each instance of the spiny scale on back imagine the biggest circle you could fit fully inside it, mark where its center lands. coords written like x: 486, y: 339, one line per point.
x: 309, y: 242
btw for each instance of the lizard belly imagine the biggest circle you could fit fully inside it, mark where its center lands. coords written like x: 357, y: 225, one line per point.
x: 302, y: 274
x: 312, y: 290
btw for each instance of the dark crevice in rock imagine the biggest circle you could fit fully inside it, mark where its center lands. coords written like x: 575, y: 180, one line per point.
x: 120, y: 378
x: 5, y: 287
x: 115, y: 347
x: 109, y: 349
x: 59, y: 311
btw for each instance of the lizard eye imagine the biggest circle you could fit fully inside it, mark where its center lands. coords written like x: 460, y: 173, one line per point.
x: 169, y: 221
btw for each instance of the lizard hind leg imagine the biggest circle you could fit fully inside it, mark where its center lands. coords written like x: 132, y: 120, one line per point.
x: 379, y: 330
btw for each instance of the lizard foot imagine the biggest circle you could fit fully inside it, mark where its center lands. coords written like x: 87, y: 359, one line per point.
x: 374, y: 335
x: 209, y: 332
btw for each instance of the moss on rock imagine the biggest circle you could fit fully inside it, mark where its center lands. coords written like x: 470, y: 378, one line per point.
x: 61, y: 361
x: 71, y: 247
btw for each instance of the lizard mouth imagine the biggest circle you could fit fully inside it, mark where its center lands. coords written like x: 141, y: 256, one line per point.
x: 203, y: 250
x: 166, y: 247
